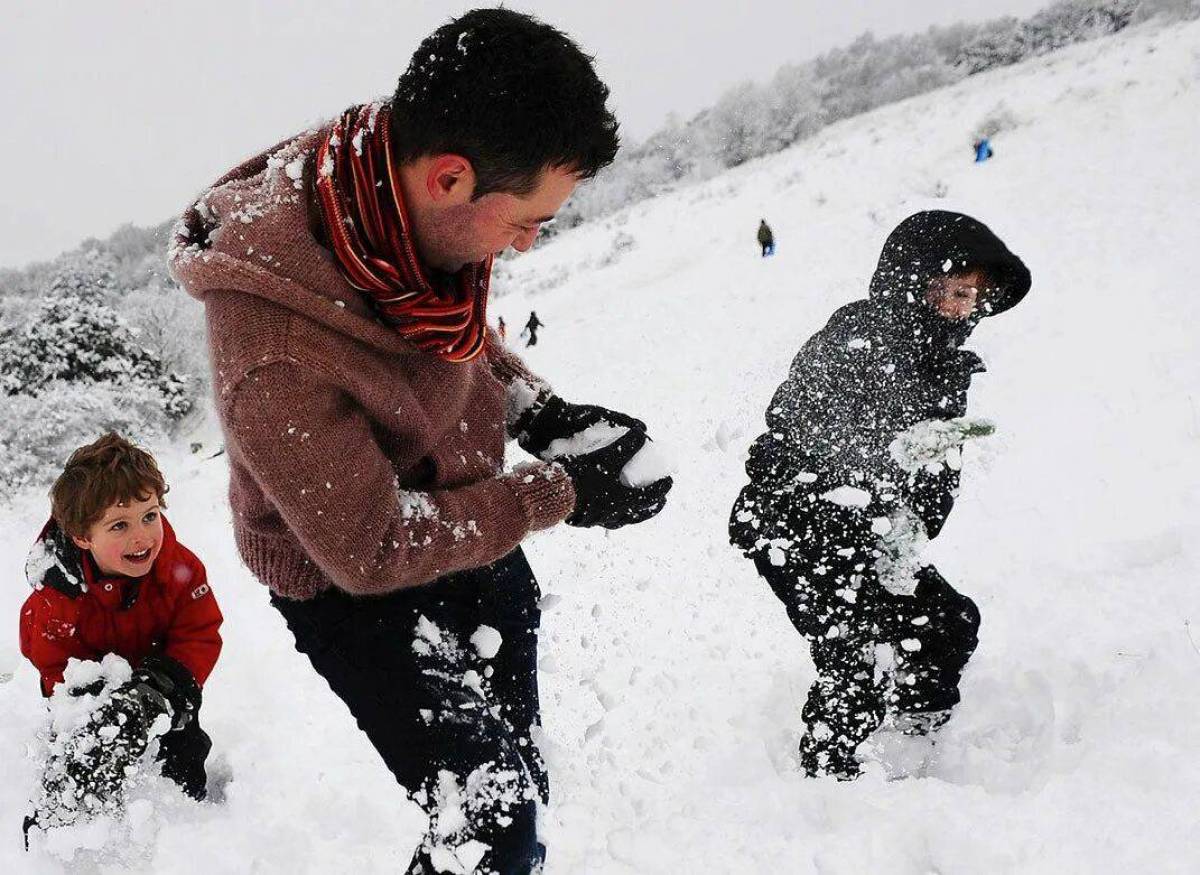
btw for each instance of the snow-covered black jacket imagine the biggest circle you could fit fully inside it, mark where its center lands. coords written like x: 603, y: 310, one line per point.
x: 880, y: 366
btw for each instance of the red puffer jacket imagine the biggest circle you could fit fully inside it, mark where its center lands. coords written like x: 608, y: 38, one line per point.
x: 171, y: 611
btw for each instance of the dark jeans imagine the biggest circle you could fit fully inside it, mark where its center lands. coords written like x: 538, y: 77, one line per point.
x: 931, y: 635
x: 454, y: 728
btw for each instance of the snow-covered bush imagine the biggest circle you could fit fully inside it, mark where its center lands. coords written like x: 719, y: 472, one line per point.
x: 72, y: 367
x: 741, y: 125
x: 170, y: 326
x: 1075, y: 21
x: 997, y: 44
x: 86, y: 273
x: 1006, y: 40
x: 1171, y: 10
x: 76, y: 337
x: 38, y: 432
x: 796, y: 108
x: 870, y: 73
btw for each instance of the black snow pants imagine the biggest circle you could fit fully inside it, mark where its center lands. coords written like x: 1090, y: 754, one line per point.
x: 451, y: 715
x: 876, y: 653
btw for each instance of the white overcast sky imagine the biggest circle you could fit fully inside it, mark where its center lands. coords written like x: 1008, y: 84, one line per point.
x: 120, y: 110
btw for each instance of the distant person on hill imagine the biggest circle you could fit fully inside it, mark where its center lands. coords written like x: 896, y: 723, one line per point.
x: 766, y: 239
x: 502, y: 328
x: 983, y: 150
x: 531, y: 328
x: 859, y: 467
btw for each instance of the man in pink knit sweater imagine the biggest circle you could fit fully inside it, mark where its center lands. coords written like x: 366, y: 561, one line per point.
x: 366, y: 407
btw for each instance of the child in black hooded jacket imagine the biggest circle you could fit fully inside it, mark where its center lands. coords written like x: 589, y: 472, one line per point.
x: 859, y: 467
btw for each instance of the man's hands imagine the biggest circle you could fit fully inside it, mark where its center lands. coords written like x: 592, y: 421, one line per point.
x: 601, y: 499
x: 553, y: 431
x: 551, y: 419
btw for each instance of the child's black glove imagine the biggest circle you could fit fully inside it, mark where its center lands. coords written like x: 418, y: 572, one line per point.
x: 172, y: 680
x: 122, y: 726
x: 86, y: 775
x: 550, y: 419
x: 601, y: 499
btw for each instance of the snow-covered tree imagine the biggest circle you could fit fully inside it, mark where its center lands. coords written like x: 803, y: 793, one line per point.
x: 75, y: 336
x: 170, y: 325
x: 38, y: 432
x: 1007, y: 40
x: 74, y: 367
x: 870, y: 73
x: 740, y: 125
x: 997, y: 44
x: 795, y: 101
x: 1075, y: 21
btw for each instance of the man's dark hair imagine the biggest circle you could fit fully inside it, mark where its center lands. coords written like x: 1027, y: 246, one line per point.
x: 511, y: 94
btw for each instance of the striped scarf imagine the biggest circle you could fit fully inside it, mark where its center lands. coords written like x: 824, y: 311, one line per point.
x: 365, y: 219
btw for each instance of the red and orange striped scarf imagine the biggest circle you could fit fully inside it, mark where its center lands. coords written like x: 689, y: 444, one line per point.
x: 365, y: 219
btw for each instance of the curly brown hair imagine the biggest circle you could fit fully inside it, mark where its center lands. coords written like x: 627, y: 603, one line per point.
x: 107, y: 471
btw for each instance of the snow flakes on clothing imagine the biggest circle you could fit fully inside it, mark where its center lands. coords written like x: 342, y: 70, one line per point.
x: 487, y: 641
x: 445, y: 659
x: 848, y: 496
x: 592, y: 438
x: 458, y: 803
x: 417, y: 505
x: 901, y: 547
x: 45, y: 556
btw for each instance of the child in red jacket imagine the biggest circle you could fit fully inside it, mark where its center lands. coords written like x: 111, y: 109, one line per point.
x: 109, y: 577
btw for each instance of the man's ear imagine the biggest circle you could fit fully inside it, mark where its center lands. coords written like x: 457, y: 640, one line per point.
x: 450, y: 180
x: 82, y: 543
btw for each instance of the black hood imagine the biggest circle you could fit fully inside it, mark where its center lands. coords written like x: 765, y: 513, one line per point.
x: 937, y: 242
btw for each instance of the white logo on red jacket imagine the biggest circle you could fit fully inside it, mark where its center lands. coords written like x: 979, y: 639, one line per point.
x: 200, y: 592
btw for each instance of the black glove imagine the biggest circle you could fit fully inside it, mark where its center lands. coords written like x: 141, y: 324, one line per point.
x: 601, y: 499
x: 94, y: 688
x: 550, y: 418
x: 174, y: 682
x: 87, y: 772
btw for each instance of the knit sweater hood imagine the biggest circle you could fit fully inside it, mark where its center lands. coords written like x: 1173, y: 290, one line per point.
x: 251, y: 232
x: 356, y: 459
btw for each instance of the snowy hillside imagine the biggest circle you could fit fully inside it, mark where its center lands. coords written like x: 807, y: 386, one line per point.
x: 671, y: 679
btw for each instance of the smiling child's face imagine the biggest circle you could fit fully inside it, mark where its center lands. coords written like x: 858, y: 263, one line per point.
x: 126, y: 539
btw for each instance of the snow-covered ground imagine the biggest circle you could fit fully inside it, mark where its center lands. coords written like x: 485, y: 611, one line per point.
x: 672, y: 681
